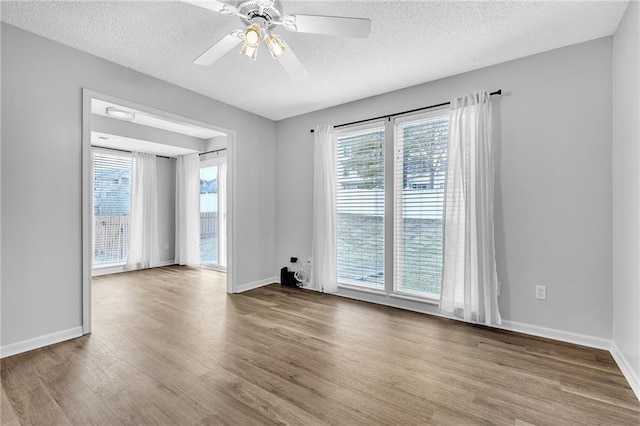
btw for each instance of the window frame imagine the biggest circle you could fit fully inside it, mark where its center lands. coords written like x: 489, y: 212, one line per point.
x: 397, y: 199
x: 113, y: 152
x: 352, y: 129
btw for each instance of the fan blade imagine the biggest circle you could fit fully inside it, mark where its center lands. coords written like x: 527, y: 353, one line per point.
x: 332, y: 25
x: 215, y: 5
x: 292, y: 65
x: 216, y: 51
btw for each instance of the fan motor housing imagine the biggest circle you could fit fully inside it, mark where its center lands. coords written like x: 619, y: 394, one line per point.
x: 260, y: 11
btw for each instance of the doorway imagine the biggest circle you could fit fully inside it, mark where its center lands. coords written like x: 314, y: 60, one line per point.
x: 213, y: 213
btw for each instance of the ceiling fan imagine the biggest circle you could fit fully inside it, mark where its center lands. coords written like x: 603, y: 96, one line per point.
x: 260, y: 17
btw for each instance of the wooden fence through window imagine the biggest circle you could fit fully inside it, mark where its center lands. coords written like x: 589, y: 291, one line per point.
x: 208, y: 225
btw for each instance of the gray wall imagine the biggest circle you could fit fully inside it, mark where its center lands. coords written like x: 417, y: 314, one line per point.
x: 42, y: 85
x: 552, y: 136
x: 626, y: 191
x: 166, y: 172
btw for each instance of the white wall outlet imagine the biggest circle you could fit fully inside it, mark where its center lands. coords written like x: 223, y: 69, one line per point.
x: 166, y: 246
x: 541, y: 292
x: 308, y: 261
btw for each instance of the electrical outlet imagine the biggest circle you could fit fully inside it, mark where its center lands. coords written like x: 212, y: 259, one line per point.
x: 166, y: 246
x: 541, y: 292
x: 308, y: 261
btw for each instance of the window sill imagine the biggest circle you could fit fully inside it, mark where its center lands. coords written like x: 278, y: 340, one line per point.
x: 108, y: 265
x: 426, y: 301
x: 362, y: 289
x: 415, y: 299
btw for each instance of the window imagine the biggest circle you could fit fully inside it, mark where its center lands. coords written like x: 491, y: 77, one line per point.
x: 415, y: 214
x: 111, y: 207
x: 420, y: 166
x: 209, y: 215
x: 360, y: 207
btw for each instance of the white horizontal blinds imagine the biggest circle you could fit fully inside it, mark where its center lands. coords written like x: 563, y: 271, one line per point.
x: 420, y: 165
x: 360, y: 206
x: 111, y: 206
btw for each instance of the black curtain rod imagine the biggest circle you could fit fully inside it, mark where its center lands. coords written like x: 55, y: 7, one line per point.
x: 130, y: 152
x: 215, y: 150
x: 497, y: 92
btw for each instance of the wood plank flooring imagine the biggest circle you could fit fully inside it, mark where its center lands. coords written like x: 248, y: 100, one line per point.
x: 169, y: 346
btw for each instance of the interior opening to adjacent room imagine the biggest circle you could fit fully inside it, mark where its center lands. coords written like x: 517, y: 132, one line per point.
x: 175, y: 136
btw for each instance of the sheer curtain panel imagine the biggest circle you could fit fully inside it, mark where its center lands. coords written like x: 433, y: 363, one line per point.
x: 144, y: 250
x: 469, y: 282
x: 188, y: 210
x: 323, y: 246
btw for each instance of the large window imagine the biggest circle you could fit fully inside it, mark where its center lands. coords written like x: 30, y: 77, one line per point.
x: 360, y: 207
x: 111, y: 207
x: 420, y: 165
x: 415, y: 214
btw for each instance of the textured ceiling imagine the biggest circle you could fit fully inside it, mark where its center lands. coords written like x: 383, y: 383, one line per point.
x: 411, y: 42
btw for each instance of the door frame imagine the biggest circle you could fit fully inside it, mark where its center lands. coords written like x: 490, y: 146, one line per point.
x: 215, y: 162
x: 87, y: 191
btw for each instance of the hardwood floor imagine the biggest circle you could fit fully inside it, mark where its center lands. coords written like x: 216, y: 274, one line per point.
x: 169, y: 346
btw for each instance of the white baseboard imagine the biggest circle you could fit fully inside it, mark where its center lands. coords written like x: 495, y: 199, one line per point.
x: 430, y: 309
x: 555, y: 334
x: 250, y: 286
x: 96, y: 272
x: 627, y: 370
x: 40, y: 341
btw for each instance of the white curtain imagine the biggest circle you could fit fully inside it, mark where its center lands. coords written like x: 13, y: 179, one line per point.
x: 188, y: 210
x: 469, y: 282
x: 144, y: 250
x: 323, y: 248
x: 222, y: 214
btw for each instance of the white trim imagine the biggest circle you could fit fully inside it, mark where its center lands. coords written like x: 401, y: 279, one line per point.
x: 87, y: 213
x: 360, y: 127
x: 250, y: 286
x: 555, y: 334
x: 108, y: 265
x: 415, y: 298
x: 96, y: 272
x: 363, y: 289
x: 232, y: 167
x: 213, y: 267
x: 116, y: 269
x: 627, y: 370
x: 409, y: 117
x: 381, y: 298
x: 40, y: 341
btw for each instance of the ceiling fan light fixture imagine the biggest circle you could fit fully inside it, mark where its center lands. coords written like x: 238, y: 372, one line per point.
x: 276, y: 45
x: 249, y: 51
x: 252, y: 35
